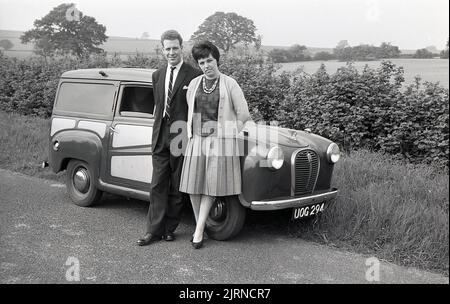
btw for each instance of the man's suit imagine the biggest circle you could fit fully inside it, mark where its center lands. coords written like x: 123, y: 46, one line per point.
x: 166, y: 201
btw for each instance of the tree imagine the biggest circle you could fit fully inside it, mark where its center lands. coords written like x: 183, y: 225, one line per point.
x: 258, y: 42
x: 66, y: 30
x: 280, y: 55
x: 342, y: 44
x: 364, y: 52
x: 323, y: 56
x: 388, y: 51
x: 294, y: 53
x: 432, y: 49
x: 226, y: 30
x: 6, y: 44
x: 299, y: 53
x: 145, y: 35
x: 444, y: 53
x: 423, y: 53
x: 339, y: 50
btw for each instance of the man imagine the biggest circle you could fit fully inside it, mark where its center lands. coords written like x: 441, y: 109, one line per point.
x: 169, y: 85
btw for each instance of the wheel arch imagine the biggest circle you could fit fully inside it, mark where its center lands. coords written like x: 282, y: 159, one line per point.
x: 76, y: 144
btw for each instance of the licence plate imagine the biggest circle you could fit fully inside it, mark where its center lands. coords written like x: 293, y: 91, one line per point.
x: 306, y: 211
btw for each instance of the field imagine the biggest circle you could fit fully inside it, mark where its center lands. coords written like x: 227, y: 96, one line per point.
x: 429, y: 69
x: 432, y: 70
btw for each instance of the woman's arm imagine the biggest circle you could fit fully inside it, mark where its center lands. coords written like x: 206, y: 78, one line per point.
x: 240, y: 105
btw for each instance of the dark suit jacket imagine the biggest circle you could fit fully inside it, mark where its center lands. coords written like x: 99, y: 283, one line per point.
x: 179, y: 108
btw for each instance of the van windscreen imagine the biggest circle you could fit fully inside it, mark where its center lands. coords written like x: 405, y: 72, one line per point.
x: 89, y: 98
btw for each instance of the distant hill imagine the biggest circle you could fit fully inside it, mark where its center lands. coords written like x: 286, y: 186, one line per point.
x: 13, y: 36
x: 314, y: 50
x: 130, y: 45
x: 126, y: 45
x: 122, y: 45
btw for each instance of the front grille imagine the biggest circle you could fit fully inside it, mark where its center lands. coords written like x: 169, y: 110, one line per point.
x: 305, y: 171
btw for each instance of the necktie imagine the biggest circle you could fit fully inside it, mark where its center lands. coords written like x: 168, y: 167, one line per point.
x: 169, y: 93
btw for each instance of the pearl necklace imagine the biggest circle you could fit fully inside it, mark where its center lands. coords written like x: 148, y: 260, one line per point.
x: 210, y: 90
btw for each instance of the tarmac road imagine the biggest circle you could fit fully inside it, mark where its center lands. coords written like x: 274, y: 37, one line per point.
x: 41, y: 231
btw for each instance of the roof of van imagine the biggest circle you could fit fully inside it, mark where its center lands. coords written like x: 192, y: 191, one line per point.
x: 123, y: 74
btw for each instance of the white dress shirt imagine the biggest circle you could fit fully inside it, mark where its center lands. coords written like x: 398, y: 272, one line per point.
x: 175, y: 74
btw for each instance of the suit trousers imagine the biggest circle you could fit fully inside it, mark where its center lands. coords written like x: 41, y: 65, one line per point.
x: 166, y: 201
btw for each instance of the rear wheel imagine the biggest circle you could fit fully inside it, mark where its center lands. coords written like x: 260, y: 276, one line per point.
x: 226, y: 218
x: 81, y: 184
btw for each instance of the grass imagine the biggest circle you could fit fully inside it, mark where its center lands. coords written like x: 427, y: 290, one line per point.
x: 398, y: 211
x: 394, y: 210
x: 24, y: 144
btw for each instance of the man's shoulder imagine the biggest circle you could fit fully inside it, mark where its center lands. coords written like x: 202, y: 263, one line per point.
x: 158, y: 72
x: 161, y: 70
x: 192, y: 69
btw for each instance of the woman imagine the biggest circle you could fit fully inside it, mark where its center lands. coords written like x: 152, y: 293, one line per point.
x: 217, y: 112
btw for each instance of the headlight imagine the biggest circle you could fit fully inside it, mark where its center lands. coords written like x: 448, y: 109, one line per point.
x: 333, y: 153
x: 56, y: 145
x: 275, y: 158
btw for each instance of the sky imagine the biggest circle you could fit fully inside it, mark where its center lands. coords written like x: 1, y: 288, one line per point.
x: 409, y: 24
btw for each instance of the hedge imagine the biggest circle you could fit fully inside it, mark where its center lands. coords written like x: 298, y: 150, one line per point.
x: 28, y: 86
x: 371, y: 109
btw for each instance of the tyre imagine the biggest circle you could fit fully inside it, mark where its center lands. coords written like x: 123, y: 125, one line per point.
x: 81, y: 184
x: 226, y: 218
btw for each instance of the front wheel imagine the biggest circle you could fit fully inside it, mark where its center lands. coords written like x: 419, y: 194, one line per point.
x: 226, y: 218
x: 81, y: 184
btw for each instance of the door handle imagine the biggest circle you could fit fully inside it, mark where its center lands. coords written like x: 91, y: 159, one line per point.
x: 113, y: 130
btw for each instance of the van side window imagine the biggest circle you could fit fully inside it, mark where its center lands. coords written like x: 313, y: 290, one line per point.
x: 136, y: 99
x: 89, y: 98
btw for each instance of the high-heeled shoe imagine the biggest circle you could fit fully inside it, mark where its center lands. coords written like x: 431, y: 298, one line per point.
x: 205, y: 237
x: 197, y: 245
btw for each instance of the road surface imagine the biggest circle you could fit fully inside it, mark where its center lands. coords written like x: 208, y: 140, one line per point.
x: 44, y: 238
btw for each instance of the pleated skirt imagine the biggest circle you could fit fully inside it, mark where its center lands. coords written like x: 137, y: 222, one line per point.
x: 211, y: 166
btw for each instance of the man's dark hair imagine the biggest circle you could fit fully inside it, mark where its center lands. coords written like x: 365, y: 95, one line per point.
x: 203, y: 49
x: 171, y: 35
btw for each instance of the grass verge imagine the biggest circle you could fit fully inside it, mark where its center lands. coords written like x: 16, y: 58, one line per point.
x: 394, y: 210
x: 24, y: 145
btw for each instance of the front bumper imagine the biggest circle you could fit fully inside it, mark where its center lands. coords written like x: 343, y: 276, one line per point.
x: 294, y: 202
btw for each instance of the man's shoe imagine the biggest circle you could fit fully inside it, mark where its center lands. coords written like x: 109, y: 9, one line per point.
x: 169, y: 237
x: 148, y: 239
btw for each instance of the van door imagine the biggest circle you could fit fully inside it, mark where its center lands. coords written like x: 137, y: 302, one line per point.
x: 130, y: 153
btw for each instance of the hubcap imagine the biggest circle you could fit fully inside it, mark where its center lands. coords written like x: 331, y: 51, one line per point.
x: 218, y: 211
x: 81, y: 180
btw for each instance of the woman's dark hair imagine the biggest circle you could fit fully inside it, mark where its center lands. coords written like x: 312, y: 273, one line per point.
x: 203, y: 49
